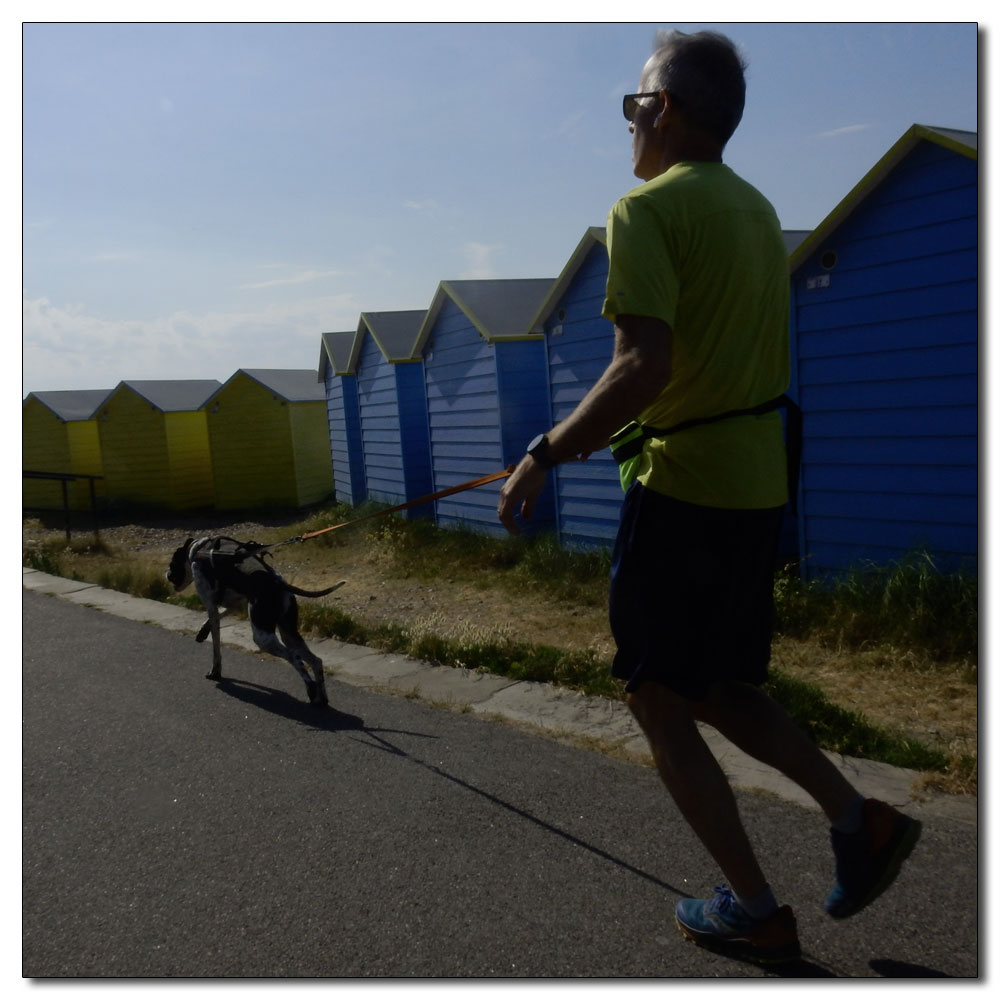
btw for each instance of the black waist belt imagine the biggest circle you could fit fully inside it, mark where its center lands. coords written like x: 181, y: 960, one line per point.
x: 628, y: 443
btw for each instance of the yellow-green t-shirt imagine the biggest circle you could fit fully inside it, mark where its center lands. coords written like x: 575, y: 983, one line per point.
x: 702, y: 250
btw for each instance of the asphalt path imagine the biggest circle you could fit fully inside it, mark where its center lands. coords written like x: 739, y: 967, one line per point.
x: 173, y: 826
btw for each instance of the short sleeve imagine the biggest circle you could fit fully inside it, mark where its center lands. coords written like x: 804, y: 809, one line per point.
x: 642, y: 275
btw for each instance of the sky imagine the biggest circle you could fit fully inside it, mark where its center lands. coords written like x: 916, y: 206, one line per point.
x: 203, y: 197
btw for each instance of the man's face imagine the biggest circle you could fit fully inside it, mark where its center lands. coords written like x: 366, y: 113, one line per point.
x: 646, y: 142
x: 645, y: 139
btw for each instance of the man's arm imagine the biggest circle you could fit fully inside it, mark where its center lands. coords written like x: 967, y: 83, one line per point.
x: 638, y: 372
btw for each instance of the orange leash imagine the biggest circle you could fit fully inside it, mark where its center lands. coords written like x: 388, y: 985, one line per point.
x: 461, y: 488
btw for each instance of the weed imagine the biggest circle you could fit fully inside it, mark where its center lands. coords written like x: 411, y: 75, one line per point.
x: 130, y: 579
x: 908, y: 605
x: 43, y: 558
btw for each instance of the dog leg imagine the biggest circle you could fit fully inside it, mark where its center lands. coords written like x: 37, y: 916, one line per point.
x: 297, y: 647
x: 205, y: 630
x: 207, y: 597
x: 270, y: 643
x: 216, y: 672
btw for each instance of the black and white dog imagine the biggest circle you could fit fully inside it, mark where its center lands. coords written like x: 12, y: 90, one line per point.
x: 226, y: 572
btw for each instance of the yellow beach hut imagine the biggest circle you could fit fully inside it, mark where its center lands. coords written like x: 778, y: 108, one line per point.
x: 269, y: 439
x: 59, y: 434
x: 154, y: 442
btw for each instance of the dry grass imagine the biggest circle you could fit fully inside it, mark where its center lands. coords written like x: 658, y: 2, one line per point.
x: 899, y: 689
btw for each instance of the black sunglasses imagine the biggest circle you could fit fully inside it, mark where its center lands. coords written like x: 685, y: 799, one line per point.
x: 630, y: 104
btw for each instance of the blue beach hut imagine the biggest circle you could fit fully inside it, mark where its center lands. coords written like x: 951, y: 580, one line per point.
x: 487, y: 392
x: 579, y: 343
x: 392, y: 408
x: 338, y: 371
x: 885, y: 328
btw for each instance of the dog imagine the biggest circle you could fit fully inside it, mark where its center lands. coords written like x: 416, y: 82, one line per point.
x: 226, y: 572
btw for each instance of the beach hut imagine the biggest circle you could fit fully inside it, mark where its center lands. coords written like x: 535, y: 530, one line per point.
x: 59, y: 434
x: 154, y: 443
x: 269, y: 440
x: 579, y: 343
x: 486, y: 390
x: 885, y: 333
x: 338, y: 371
x: 392, y: 408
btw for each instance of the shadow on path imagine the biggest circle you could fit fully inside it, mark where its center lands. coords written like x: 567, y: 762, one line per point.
x: 332, y: 720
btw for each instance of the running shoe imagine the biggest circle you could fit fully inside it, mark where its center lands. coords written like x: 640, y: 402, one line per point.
x: 721, y: 924
x: 869, y: 861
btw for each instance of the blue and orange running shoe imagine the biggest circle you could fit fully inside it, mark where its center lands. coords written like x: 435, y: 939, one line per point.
x: 722, y: 925
x: 869, y: 861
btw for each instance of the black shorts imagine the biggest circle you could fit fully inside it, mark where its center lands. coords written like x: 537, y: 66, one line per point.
x: 692, y: 598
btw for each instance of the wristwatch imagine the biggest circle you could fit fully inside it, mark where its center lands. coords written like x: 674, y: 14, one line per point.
x: 538, y: 449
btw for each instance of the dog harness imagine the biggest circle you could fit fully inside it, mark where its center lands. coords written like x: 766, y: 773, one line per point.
x: 228, y: 557
x: 628, y: 443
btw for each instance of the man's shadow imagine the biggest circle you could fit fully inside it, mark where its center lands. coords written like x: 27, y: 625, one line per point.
x: 332, y: 720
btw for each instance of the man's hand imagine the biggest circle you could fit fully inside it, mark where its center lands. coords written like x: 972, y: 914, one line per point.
x: 638, y: 373
x: 521, y: 490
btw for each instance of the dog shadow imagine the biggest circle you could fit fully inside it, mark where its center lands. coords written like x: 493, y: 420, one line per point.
x: 282, y: 703
x: 328, y: 719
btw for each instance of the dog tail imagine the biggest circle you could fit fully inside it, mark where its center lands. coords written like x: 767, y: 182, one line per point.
x: 313, y: 593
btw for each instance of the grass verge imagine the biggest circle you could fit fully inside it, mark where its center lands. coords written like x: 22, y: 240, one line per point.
x: 910, y: 604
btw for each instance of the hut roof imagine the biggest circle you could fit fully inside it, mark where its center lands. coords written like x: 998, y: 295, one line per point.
x: 294, y: 385
x: 172, y: 395
x: 500, y: 309
x: 957, y: 140
x: 394, y: 332
x: 337, y: 352
x: 71, y: 404
x: 557, y: 288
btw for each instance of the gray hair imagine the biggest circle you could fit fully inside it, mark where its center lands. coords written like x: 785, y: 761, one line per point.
x: 704, y: 73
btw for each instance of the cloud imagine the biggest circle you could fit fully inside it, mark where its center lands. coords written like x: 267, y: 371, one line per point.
x: 296, y: 279
x: 113, y: 255
x: 845, y: 130
x: 427, y: 206
x: 64, y: 347
x: 568, y: 125
x: 478, y: 263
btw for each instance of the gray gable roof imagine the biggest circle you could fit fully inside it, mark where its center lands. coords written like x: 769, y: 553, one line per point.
x: 959, y: 136
x: 173, y: 395
x: 295, y: 385
x: 71, y: 404
x: 500, y: 309
x: 395, y: 332
x: 337, y: 352
x: 557, y: 289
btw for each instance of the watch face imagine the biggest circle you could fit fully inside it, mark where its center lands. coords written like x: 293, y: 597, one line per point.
x: 535, y: 442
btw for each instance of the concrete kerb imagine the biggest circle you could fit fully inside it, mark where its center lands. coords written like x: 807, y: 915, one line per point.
x: 597, y: 722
